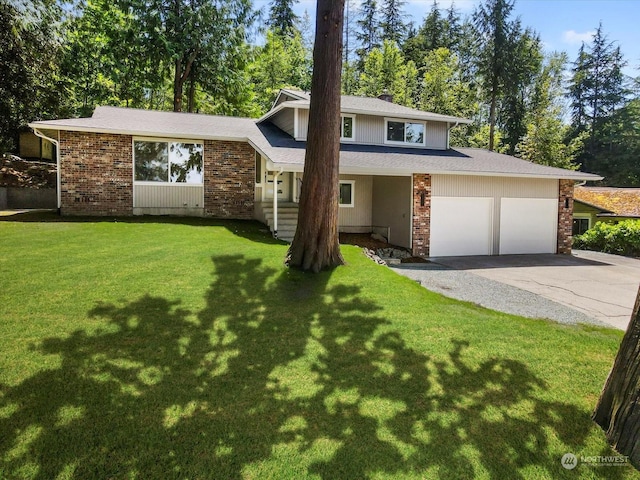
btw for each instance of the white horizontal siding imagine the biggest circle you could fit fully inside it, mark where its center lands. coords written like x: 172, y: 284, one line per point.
x: 168, y: 196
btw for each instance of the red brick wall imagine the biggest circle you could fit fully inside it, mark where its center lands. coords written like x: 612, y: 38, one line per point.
x: 565, y: 216
x: 229, y: 179
x: 96, y: 172
x: 421, y: 214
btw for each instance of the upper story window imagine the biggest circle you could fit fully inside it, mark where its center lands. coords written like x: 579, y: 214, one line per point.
x: 347, y: 127
x: 167, y: 162
x: 404, y: 132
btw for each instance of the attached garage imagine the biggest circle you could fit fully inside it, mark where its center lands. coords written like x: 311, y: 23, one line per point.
x: 528, y: 225
x: 461, y: 226
x: 475, y: 215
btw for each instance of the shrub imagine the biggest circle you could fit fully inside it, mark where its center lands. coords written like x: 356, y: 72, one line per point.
x: 621, y: 238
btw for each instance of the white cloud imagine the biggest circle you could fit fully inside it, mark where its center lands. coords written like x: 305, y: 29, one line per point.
x: 573, y: 38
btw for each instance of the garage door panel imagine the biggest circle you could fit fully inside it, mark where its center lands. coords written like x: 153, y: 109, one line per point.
x: 461, y: 226
x: 528, y: 225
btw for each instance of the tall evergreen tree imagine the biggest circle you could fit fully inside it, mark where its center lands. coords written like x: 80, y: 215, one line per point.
x: 316, y: 245
x: 494, y: 32
x: 521, y: 74
x: 370, y: 32
x: 597, y: 90
x: 282, y: 20
x: 393, y: 20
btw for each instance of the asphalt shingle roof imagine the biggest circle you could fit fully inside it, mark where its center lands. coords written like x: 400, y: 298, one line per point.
x: 624, y: 202
x: 376, y: 159
x: 285, y: 152
x: 354, y: 104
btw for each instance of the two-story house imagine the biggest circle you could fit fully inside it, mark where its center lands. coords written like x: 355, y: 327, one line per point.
x: 398, y: 175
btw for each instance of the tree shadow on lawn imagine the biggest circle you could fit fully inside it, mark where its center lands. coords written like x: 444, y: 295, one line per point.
x: 280, y: 375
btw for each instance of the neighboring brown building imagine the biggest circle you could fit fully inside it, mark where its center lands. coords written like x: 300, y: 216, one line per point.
x: 604, y: 204
x: 398, y: 175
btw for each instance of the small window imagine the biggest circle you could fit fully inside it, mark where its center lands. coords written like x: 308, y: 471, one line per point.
x: 168, y: 162
x: 258, y: 168
x: 400, y: 132
x: 346, y: 128
x: 346, y: 193
x: 580, y: 225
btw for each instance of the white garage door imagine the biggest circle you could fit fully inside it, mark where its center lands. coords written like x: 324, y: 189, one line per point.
x: 528, y: 225
x: 461, y: 226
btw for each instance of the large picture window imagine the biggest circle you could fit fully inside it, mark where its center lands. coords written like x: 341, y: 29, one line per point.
x: 168, y: 162
x: 402, y: 132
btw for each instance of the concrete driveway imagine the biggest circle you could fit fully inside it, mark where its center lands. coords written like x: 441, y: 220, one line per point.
x: 600, y: 285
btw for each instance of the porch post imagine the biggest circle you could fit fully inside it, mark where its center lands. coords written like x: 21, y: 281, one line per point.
x: 275, y: 203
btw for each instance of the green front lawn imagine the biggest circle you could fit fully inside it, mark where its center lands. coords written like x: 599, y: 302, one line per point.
x: 185, y: 349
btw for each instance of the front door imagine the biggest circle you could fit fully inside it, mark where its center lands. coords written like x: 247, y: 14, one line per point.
x: 284, y: 186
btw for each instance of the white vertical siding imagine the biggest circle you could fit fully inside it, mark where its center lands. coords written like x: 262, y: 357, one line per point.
x: 168, y: 196
x: 358, y: 217
x: 495, y: 187
x: 479, y: 186
x: 436, y: 136
x: 392, y: 208
x: 370, y: 130
x: 284, y: 120
x: 303, y: 123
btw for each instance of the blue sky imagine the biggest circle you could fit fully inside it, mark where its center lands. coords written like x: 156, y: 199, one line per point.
x: 562, y: 24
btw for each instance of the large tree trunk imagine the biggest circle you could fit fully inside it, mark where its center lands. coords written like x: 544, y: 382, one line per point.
x: 316, y: 245
x: 618, y: 410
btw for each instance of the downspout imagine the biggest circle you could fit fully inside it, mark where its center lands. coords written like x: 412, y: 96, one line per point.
x: 275, y: 202
x: 38, y: 133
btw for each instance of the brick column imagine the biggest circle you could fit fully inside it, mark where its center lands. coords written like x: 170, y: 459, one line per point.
x: 565, y: 216
x: 421, y: 214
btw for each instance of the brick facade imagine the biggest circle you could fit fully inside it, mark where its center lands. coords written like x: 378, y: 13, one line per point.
x: 421, y: 214
x: 565, y: 216
x: 229, y: 179
x: 96, y: 174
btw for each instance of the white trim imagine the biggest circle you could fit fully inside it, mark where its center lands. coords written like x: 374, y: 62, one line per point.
x: 296, y: 126
x: 411, y: 216
x: 416, y: 115
x: 257, y: 159
x: 353, y: 194
x: 404, y: 143
x: 400, y: 172
x: 167, y: 182
x: 583, y: 216
x: 352, y: 138
x: 166, y: 139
